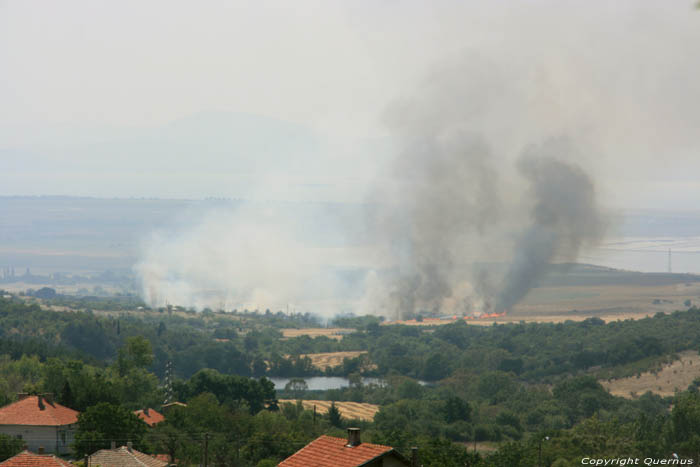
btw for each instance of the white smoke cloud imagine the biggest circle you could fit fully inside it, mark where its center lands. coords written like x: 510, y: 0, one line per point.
x: 452, y: 199
x: 232, y: 258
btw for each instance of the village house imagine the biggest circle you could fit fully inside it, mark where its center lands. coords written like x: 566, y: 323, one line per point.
x: 26, y: 459
x: 150, y: 416
x: 328, y: 451
x: 43, y: 424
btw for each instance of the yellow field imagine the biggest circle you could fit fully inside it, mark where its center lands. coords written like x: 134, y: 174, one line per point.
x: 671, y: 378
x: 576, y: 303
x: 348, y: 410
x: 331, y: 359
x: 333, y: 333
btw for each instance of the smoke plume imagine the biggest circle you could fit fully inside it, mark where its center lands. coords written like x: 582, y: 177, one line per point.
x: 454, y: 198
x: 460, y: 196
x: 564, y: 218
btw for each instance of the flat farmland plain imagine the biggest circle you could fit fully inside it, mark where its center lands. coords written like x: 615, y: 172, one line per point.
x: 557, y: 304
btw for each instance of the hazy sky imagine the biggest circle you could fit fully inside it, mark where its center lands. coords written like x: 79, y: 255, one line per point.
x: 287, y: 100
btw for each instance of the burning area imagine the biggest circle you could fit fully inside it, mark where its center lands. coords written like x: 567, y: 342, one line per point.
x: 475, y: 182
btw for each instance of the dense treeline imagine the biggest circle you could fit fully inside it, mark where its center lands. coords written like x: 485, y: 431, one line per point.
x: 252, y: 345
x: 532, y: 351
x: 514, y: 384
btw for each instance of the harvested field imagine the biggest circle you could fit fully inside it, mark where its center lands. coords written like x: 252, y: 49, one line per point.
x: 671, y: 378
x: 333, y: 333
x: 331, y: 359
x: 348, y: 410
x: 556, y: 304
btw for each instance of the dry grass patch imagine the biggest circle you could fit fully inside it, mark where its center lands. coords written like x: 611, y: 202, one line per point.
x: 349, y: 410
x: 676, y: 376
x: 331, y: 359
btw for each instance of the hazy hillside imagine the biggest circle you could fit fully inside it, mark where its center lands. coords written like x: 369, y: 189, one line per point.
x: 92, y: 234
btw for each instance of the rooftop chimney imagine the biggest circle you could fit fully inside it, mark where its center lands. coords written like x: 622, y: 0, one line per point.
x: 353, y: 437
x: 129, y: 445
x: 40, y: 401
x: 113, y: 445
x: 414, y: 456
x: 145, y: 411
x: 41, y: 450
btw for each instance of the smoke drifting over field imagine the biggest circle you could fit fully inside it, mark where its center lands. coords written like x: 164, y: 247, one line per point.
x: 564, y: 219
x: 452, y: 198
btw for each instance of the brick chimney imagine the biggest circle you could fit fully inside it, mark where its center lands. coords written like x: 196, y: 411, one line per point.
x: 113, y: 445
x: 353, y: 437
x: 145, y: 411
x: 48, y: 396
x: 41, y: 450
x: 129, y: 446
x: 40, y: 401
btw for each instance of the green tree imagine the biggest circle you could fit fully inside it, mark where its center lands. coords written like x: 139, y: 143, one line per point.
x: 437, y: 366
x: 136, y: 353
x: 685, y: 425
x: 167, y: 438
x: 232, y: 390
x: 456, y: 410
x: 296, y: 386
x: 334, y: 415
x: 103, y: 423
x: 66, y: 396
x: 9, y: 446
x: 496, y: 386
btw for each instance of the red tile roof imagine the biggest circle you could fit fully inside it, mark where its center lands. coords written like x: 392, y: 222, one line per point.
x: 29, y: 459
x: 327, y: 451
x: 125, y: 457
x: 150, y: 416
x: 163, y: 457
x: 27, y: 411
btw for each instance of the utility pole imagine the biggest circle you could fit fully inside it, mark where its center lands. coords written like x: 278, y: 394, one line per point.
x: 539, y: 455
x: 206, y: 449
x: 168, y: 382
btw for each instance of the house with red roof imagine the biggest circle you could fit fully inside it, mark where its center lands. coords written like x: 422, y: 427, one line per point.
x: 328, y: 451
x: 29, y: 459
x: 150, y: 416
x: 125, y: 456
x: 43, y: 424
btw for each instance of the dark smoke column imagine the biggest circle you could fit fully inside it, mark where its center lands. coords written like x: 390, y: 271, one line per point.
x: 565, y: 217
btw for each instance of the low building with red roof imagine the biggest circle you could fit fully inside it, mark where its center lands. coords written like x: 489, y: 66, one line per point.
x: 29, y: 459
x: 150, y: 416
x: 125, y: 456
x: 42, y: 423
x: 328, y: 451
